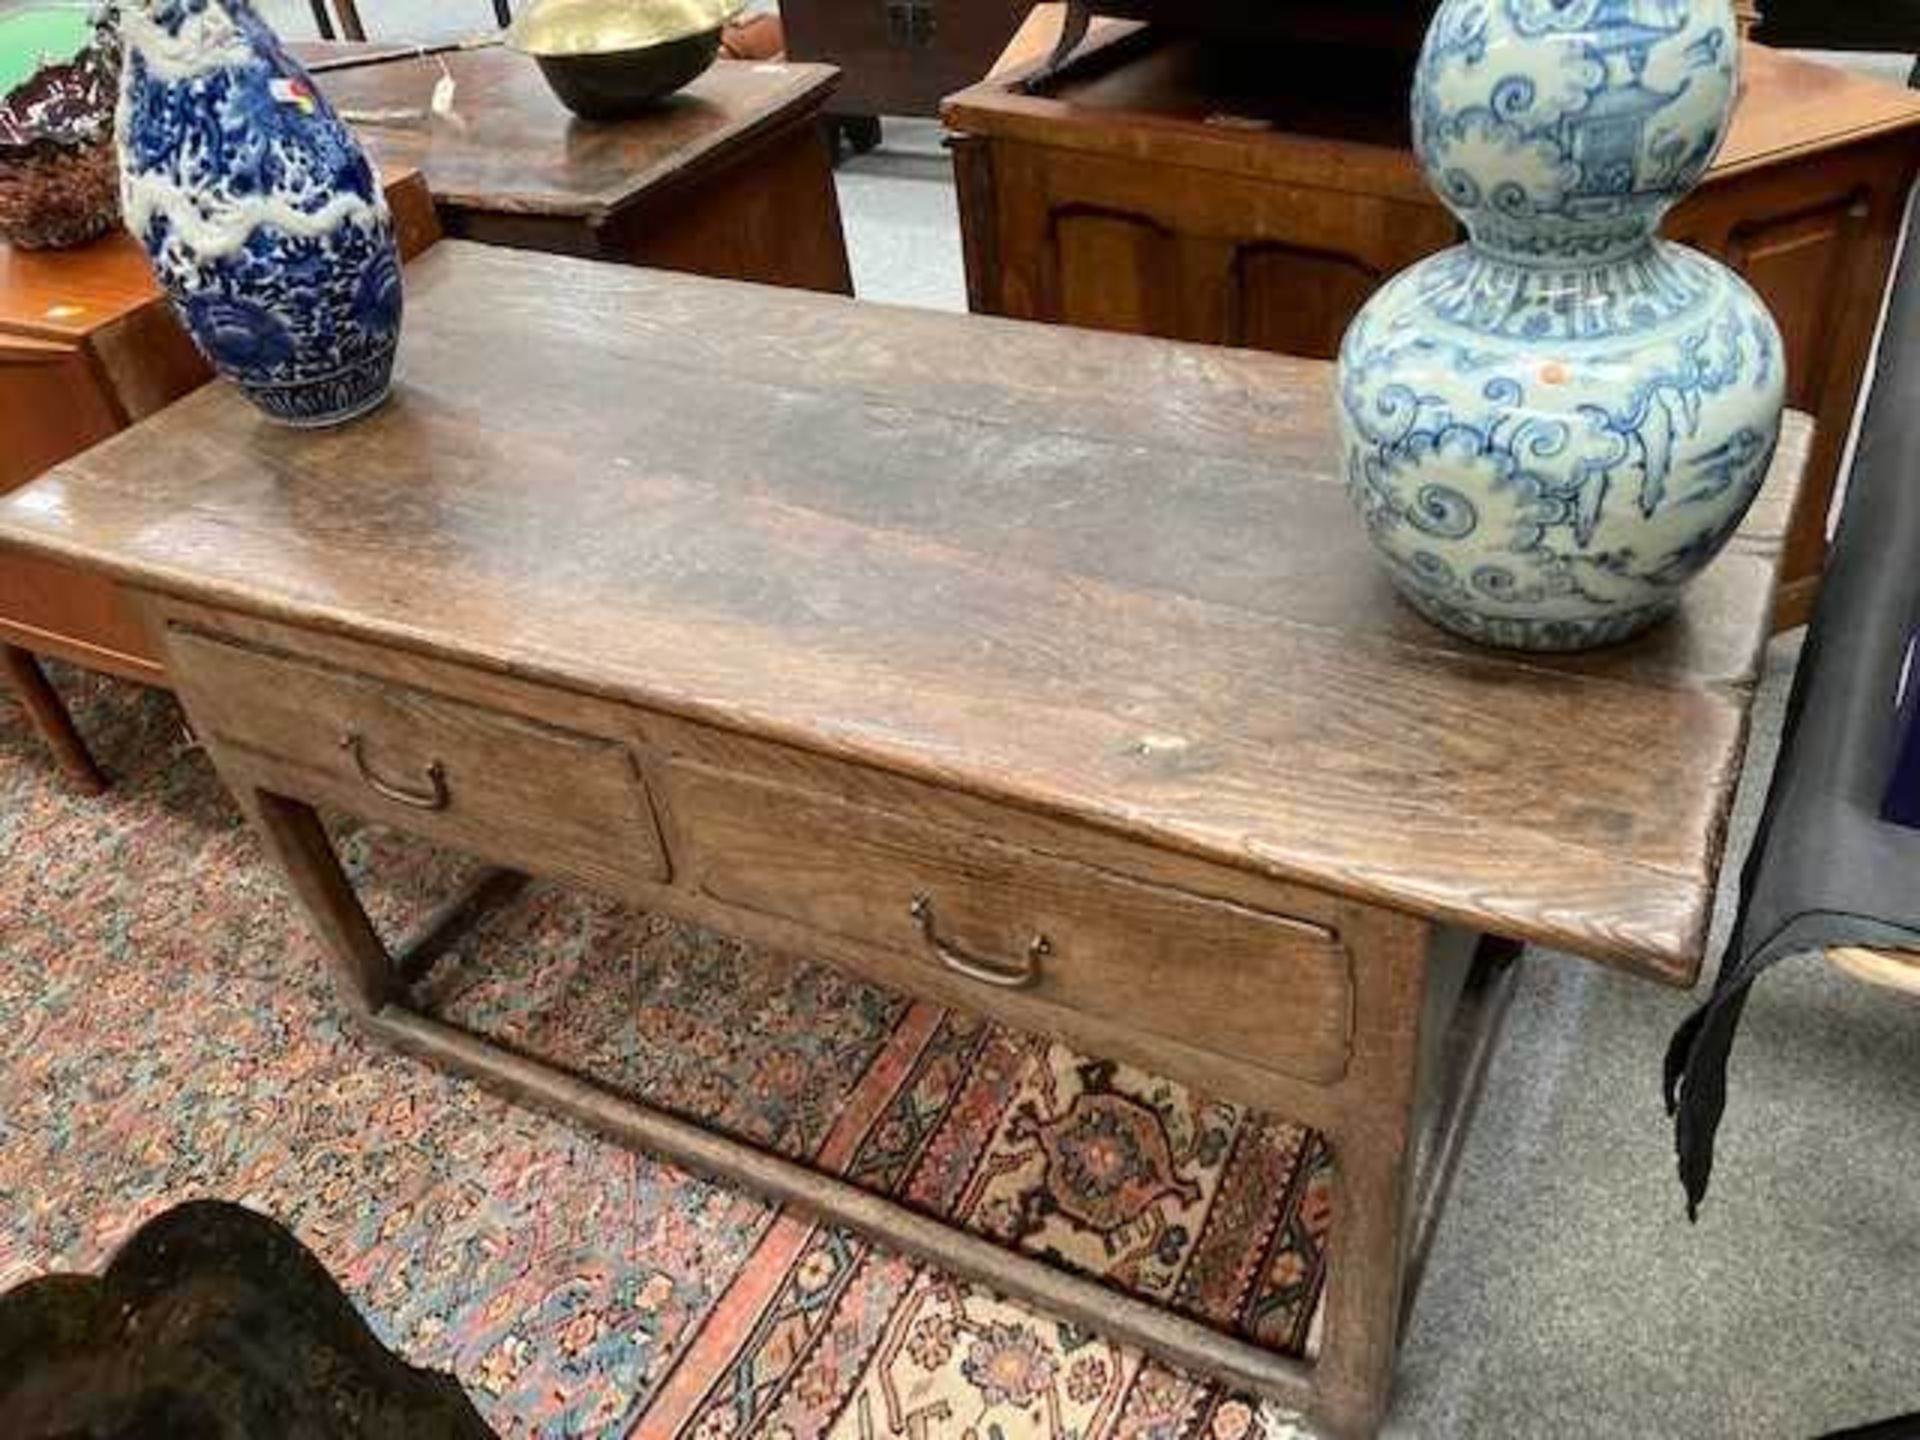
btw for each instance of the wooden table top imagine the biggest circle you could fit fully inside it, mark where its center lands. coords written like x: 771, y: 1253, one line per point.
x: 1792, y: 105
x: 66, y: 295
x: 520, y: 151
x: 1094, y: 575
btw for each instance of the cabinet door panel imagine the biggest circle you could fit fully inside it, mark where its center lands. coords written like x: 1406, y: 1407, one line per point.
x: 1800, y: 264
x: 51, y: 406
x: 1186, y: 254
x: 1296, y: 299
x: 1816, y: 238
x: 1117, y: 272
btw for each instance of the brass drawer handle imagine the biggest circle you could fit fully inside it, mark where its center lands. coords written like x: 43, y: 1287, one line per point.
x: 987, y: 972
x: 435, y: 798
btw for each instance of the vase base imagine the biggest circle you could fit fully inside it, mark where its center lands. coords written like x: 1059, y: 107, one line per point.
x: 335, y: 400
x: 330, y: 419
x: 1531, y: 633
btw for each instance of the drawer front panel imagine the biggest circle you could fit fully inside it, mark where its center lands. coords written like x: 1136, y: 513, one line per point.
x: 1263, y: 989
x: 496, y: 785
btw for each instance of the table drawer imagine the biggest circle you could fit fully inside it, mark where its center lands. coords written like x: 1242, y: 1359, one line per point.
x: 1264, y: 989
x: 496, y: 785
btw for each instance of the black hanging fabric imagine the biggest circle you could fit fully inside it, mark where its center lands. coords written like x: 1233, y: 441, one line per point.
x: 1825, y: 869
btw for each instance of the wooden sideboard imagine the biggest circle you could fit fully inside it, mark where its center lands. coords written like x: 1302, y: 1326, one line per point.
x: 847, y: 642
x: 1246, y: 196
x: 88, y: 346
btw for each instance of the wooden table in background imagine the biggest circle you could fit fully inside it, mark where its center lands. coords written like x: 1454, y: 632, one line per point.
x: 88, y: 346
x: 1257, y: 196
x: 732, y: 177
x: 852, y: 640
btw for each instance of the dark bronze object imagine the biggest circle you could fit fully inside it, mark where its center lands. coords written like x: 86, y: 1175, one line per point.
x: 213, y: 1323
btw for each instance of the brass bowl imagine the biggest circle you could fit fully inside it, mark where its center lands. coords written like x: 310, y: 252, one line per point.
x: 606, y: 59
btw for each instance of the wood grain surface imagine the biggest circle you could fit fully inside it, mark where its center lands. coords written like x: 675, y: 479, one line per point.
x: 1272, y: 990
x: 1807, y: 107
x: 516, y: 149
x: 1252, y: 195
x: 69, y: 295
x: 496, y: 773
x: 1095, y: 577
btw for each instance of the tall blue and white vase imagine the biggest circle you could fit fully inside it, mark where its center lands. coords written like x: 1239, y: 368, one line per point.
x: 265, y: 223
x: 1554, y: 427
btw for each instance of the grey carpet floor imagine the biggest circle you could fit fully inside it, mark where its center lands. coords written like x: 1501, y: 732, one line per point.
x: 1567, y: 1295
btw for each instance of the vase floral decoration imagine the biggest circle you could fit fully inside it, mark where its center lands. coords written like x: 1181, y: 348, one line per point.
x: 1551, y: 429
x: 264, y: 221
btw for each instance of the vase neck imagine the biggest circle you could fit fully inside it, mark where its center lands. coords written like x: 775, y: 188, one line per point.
x: 171, y: 40
x: 1622, y: 297
x: 1558, y: 244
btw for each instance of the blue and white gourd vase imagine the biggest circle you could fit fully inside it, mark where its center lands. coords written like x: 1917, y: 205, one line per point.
x: 265, y: 223
x: 1553, y: 428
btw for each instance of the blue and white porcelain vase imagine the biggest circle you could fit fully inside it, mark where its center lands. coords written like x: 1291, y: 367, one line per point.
x: 1553, y: 428
x: 264, y: 221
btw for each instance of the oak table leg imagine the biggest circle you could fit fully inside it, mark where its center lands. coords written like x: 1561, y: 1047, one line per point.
x: 366, y: 974
x: 1373, y: 1143
x: 1426, y: 1007
x: 1453, y: 1089
x: 1430, y: 1007
x: 369, y: 975
x: 49, y: 716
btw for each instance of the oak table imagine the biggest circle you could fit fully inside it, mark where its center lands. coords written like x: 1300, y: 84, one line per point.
x: 1255, y: 195
x: 87, y: 346
x: 1039, y: 672
x: 730, y: 177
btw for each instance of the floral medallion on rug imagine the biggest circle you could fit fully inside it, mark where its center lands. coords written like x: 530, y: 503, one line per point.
x: 170, y: 1033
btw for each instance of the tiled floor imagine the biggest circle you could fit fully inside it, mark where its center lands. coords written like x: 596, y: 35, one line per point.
x: 903, y: 225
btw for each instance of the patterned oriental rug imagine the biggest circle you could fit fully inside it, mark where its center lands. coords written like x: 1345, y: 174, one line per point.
x: 169, y: 1033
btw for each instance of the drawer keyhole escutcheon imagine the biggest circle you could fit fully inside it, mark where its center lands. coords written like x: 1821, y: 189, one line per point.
x: 435, y: 797
x: 987, y: 972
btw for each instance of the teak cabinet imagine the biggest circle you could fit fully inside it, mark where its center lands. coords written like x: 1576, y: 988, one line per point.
x: 1257, y: 197
x: 86, y: 348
